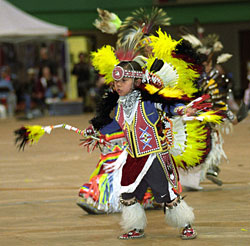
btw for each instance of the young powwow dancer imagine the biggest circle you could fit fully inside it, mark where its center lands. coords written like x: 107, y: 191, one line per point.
x: 96, y: 196
x: 146, y: 97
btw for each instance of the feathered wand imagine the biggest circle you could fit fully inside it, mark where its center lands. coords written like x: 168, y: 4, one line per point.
x: 31, y: 134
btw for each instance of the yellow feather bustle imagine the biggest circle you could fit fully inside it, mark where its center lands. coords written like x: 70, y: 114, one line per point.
x: 195, y: 145
x: 163, y: 46
x: 104, y: 60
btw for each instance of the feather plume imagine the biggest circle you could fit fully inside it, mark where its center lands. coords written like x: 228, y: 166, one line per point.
x: 223, y: 58
x: 28, y: 135
x: 217, y: 46
x: 205, y: 50
x: 212, y: 117
x: 129, y: 49
x: 141, y: 20
x: 163, y: 44
x: 168, y: 75
x: 157, y: 17
x: 108, y: 22
x: 166, y: 92
x: 194, y: 41
x: 104, y: 61
x: 211, y: 40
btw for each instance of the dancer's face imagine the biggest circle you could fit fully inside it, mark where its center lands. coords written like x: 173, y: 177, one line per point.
x: 124, y: 86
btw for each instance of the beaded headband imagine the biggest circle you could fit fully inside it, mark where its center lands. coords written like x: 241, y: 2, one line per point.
x: 119, y: 72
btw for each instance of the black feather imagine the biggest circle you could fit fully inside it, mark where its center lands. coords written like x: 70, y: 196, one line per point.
x: 157, y: 65
x: 104, y: 108
x: 21, y: 137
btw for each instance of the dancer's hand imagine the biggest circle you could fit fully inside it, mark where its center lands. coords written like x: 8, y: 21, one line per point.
x: 190, y: 111
x: 89, y: 131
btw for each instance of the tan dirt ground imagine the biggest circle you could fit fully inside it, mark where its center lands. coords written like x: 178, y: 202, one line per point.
x: 39, y: 189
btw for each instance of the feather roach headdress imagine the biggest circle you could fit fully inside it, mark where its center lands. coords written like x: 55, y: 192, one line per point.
x: 164, y: 74
x: 105, y: 59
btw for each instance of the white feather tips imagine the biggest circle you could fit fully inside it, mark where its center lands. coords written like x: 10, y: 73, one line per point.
x: 195, y: 42
x: 223, y: 58
x: 168, y: 75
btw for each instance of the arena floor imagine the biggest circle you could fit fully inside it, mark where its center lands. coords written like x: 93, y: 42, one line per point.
x: 39, y: 189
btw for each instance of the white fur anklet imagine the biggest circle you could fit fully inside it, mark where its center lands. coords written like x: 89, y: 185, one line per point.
x: 180, y: 215
x: 133, y: 217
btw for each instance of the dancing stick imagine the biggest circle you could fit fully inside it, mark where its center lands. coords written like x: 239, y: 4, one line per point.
x: 32, y: 134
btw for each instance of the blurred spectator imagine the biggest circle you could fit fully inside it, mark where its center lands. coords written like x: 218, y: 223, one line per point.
x: 7, y: 92
x: 49, y: 88
x: 29, y: 92
x: 82, y: 71
x: 45, y: 61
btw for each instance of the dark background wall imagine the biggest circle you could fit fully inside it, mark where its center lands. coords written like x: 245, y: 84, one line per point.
x: 79, y: 14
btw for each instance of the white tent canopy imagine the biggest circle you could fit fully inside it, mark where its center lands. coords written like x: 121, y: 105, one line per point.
x: 15, y: 23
